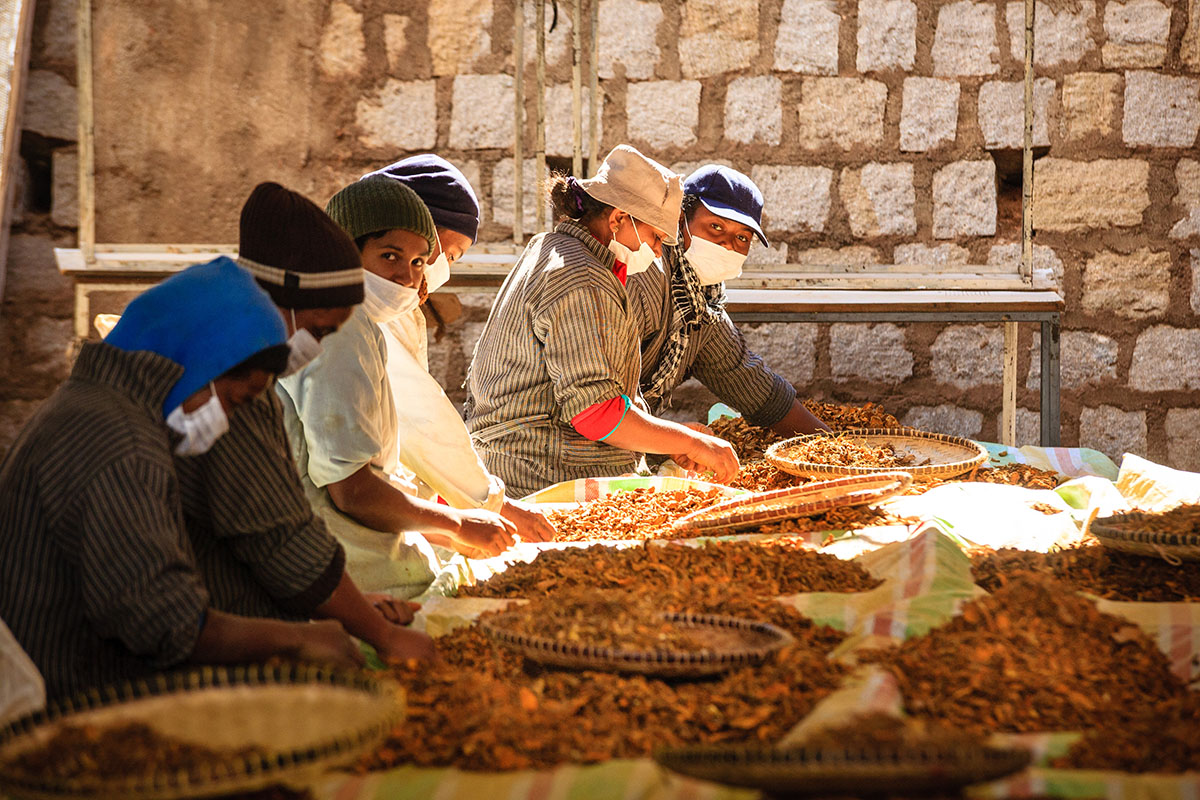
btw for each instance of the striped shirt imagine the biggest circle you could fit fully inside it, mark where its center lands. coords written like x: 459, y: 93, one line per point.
x: 716, y: 354
x: 559, y: 339
x: 97, y: 578
x: 261, y: 549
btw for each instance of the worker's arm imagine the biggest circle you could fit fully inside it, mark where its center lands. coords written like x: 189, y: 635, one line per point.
x: 230, y: 639
x: 363, y: 619
x: 798, y: 420
x: 691, y: 449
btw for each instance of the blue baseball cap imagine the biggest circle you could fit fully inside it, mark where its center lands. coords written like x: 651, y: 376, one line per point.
x: 728, y: 193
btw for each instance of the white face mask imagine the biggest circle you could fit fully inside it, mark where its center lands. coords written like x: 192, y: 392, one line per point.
x: 385, y: 300
x: 438, y: 272
x: 712, y: 262
x: 635, y: 261
x: 200, y: 428
x: 303, y: 348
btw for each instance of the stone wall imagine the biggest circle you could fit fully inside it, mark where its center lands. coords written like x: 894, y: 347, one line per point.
x: 880, y: 131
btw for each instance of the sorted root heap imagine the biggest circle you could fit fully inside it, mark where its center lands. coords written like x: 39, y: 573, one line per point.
x: 844, y: 450
x: 877, y: 731
x: 1161, y: 737
x: 764, y: 569
x: 485, y: 708
x: 1093, y: 569
x: 640, y: 514
x: 843, y: 418
x: 1031, y: 657
x: 130, y: 750
x: 1182, y: 520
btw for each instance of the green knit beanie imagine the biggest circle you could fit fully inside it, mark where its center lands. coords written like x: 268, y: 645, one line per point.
x: 379, y: 203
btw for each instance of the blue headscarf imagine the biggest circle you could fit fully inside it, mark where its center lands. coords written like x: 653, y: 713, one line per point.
x: 208, y: 319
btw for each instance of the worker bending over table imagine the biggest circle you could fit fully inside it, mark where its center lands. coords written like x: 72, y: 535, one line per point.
x: 680, y: 303
x: 552, y: 389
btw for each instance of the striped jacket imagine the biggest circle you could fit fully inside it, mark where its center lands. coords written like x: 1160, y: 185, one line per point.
x: 261, y: 549
x: 97, y: 578
x: 559, y: 338
x: 716, y: 354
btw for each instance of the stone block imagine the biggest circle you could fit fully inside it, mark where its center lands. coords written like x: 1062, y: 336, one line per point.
x: 14, y: 415
x: 1089, y: 104
x: 51, y: 108
x: 395, y: 39
x: 342, y: 51
x: 964, y: 199
x: 629, y: 38
x: 1187, y: 197
x: 855, y: 256
x: 965, y: 356
x: 402, y: 115
x: 558, y: 40
x: 841, y: 112
x: 64, y: 189
x: 1029, y: 427
x: 57, y: 34
x: 807, y: 40
x: 48, y: 346
x: 1195, y: 298
x: 458, y: 34
x: 1060, y: 36
x: 943, y: 255
x: 1136, y: 286
x: 1189, y: 47
x: 560, y: 119
x: 1047, y: 266
x: 1166, y: 359
x: 965, y: 40
x: 482, y: 115
x: 796, y: 199
x: 929, y: 116
x: 1161, y: 110
x: 1002, y: 113
x: 754, y: 110
x: 1182, y: 427
x: 887, y: 35
x: 946, y: 418
x: 1137, y: 33
x: 772, y: 256
x: 788, y: 348
x: 869, y: 352
x: 663, y: 114
x: 1086, y: 358
x: 879, y: 199
x: 32, y: 275
x: 503, y: 185
x: 1112, y: 431
x: 717, y: 36
x: 1075, y: 196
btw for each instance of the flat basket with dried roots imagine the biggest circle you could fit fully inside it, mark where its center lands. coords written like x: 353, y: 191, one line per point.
x: 1167, y: 535
x: 867, y: 451
x: 849, y: 772
x: 257, y: 725
x: 794, y: 502
x: 729, y: 643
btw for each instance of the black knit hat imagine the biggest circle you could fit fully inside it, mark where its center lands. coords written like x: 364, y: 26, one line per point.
x: 443, y: 188
x: 379, y: 203
x: 296, y: 252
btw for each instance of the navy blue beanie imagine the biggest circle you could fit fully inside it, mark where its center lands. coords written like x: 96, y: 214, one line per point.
x: 208, y: 319
x: 442, y: 187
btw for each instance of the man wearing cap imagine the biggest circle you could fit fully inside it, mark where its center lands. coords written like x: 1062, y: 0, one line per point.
x: 262, y: 549
x: 681, y: 307
x: 552, y: 390
x: 98, y: 580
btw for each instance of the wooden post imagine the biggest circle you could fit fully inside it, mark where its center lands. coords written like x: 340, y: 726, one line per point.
x: 17, y: 34
x: 518, y: 121
x: 594, y: 100
x: 577, y: 92
x: 1008, y: 404
x: 87, y: 133
x: 540, y: 132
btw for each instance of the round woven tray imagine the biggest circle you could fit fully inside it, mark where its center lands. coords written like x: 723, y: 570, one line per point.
x: 733, y: 643
x: 1121, y: 533
x: 795, y: 501
x: 935, y: 455
x: 303, y: 720
x: 850, y: 772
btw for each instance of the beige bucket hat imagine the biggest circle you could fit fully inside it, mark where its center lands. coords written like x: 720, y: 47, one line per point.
x: 639, y: 186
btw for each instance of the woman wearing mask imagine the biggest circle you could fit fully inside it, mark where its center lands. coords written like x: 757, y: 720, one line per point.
x: 342, y: 415
x: 681, y: 307
x: 552, y: 390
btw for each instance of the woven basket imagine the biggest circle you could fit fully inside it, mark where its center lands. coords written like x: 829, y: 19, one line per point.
x: 1115, y: 533
x: 852, y: 772
x: 303, y: 719
x: 733, y: 643
x: 795, y: 502
x: 936, y: 455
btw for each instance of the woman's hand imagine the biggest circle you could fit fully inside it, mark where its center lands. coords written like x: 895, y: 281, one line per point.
x: 708, y: 453
x: 402, y: 644
x: 484, y: 531
x: 395, y: 611
x: 532, y: 525
x: 326, y: 642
